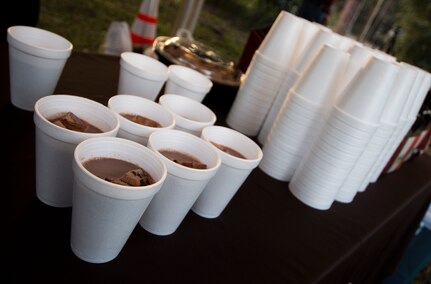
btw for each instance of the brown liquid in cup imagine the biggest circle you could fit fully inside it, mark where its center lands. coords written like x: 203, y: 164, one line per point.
x: 183, y: 159
x: 118, y: 171
x: 70, y: 121
x: 229, y: 150
x: 141, y: 120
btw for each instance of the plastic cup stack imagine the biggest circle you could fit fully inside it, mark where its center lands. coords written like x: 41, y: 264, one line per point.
x: 264, y: 75
x: 322, y: 36
x: 299, y: 120
x: 388, y: 124
x: 347, y: 131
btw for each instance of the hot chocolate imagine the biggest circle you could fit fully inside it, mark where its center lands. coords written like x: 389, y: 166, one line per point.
x: 118, y: 171
x: 141, y: 120
x: 72, y: 122
x: 183, y: 159
x: 229, y: 150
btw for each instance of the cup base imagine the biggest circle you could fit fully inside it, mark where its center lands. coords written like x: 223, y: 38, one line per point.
x: 53, y: 204
x: 205, y: 215
x: 155, y: 232
x: 81, y: 256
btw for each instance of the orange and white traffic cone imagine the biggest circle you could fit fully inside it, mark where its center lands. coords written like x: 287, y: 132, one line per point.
x: 143, y: 31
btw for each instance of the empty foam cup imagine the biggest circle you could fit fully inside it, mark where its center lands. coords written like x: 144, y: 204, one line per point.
x: 187, y: 82
x: 36, y: 62
x: 141, y: 75
x: 190, y: 115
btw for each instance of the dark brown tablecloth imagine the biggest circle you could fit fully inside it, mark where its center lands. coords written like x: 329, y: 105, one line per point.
x: 265, y: 235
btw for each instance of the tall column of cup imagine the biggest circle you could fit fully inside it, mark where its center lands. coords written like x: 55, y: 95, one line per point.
x: 350, y: 125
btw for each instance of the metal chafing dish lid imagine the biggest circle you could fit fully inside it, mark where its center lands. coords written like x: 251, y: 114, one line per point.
x: 186, y: 51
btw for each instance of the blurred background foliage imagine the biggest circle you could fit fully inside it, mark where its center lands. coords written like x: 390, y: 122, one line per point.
x: 401, y: 27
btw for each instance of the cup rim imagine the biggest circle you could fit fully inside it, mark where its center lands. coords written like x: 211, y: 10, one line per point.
x: 116, y: 190
x: 139, y: 99
x: 179, y: 119
x: 201, y: 83
x: 71, y: 136
x: 173, y: 168
x: 230, y: 160
x: 33, y: 48
x: 129, y: 61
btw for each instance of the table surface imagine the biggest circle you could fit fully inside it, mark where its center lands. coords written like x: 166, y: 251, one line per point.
x: 265, y: 235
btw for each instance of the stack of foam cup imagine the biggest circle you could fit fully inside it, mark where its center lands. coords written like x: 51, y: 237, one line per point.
x: 345, y: 43
x: 417, y: 96
x: 264, y: 75
x: 398, y: 134
x: 388, y: 123
x: 348, y: 128
x: 299, y: 119
x: 359, y: 55
x: 308, y: 31
x: 322, y: 36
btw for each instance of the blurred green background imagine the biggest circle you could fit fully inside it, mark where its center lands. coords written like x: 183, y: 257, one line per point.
x: 225, y: 25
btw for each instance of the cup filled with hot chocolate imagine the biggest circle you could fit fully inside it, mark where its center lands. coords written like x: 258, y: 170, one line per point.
x: 190, y: 115
x: 191, y: 162
x: 239, y: 155
x: 114, y: 181
x: 62, y: 122
x: 139, y: 117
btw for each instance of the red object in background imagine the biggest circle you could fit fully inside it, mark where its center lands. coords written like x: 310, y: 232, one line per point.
x: 144, y: 27
x: 411, y: 146
x: 254, y: 40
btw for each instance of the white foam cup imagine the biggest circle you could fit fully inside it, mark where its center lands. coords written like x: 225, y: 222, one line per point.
x: 365, y: 97
x: 190, y: 115
x: 36, y: 61
x: 320, y: 77
x: 233, y: 170
x: 323, y: 36
x: 186, y: 81
x: 183, y: 184
x: 135, y: 105
x: 55, y: 144
x: 104, y: 214
x: 279, y: 43
x: 141, y: 75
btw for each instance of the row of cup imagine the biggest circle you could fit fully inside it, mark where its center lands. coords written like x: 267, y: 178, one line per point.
x: 37, y: 58
x: 145, y: 76
x: 104, y: 214
x: 169, y: 113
